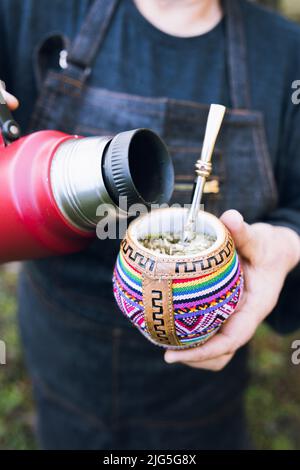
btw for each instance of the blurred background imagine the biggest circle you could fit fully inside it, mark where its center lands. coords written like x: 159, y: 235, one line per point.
x: 273, y: 397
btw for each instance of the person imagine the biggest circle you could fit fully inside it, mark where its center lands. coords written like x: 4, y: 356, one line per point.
x: 98, y: 383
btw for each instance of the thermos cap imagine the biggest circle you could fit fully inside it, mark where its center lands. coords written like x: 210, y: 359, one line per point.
x: 137, y: 166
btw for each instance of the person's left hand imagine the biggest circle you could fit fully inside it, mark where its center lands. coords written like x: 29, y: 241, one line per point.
x: 267, y: 254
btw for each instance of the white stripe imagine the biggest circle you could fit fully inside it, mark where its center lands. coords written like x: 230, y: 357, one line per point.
x: 178, y: 298
x: 127, y: 280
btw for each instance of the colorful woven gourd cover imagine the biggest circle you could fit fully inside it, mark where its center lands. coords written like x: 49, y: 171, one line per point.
x: 177, y: 302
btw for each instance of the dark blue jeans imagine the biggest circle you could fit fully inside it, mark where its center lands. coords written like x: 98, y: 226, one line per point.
x: 104, y: 387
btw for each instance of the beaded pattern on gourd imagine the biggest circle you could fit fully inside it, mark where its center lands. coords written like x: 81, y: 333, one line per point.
x: 201, y: 304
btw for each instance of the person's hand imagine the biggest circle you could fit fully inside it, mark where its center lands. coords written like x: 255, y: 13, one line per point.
x: 267, y: 254
x: 10, y: 99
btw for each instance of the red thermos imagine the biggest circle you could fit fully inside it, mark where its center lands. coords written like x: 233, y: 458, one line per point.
x: 51, y: 184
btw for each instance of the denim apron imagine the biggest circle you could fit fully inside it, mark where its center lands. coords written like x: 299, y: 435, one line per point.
x: 98, y: 383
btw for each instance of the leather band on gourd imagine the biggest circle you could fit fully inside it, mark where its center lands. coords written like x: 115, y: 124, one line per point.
x: 183, y: 268
x: 158, y: 310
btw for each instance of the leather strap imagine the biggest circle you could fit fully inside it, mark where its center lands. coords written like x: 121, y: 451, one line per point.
x: 159, y: 316
x: 237, y: 55
x: 88, y: 41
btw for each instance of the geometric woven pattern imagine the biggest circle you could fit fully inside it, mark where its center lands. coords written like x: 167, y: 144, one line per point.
x: 127, y: 285
x: 200, y: 304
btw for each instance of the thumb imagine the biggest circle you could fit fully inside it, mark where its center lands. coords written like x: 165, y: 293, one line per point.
x: 241, y: 232
x: 10, y: 100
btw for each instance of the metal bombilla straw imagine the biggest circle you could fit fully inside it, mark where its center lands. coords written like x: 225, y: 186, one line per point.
x: 203, y: 167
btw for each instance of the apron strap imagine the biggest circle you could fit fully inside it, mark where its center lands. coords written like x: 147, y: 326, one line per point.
x: 87, y: 42
x: 237, y: 55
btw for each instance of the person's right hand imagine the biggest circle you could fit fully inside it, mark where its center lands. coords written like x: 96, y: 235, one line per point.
x: 10, y: 99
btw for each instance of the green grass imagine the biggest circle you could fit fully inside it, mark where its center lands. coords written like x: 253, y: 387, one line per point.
x: 16, y: 407
x: 273, y: 398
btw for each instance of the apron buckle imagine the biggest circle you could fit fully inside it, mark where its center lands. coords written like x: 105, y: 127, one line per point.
x: 63, y: 59
x: 64, y: 63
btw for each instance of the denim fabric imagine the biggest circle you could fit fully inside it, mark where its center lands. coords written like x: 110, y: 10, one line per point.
x: 97, y: 383
x: 104, y: 387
